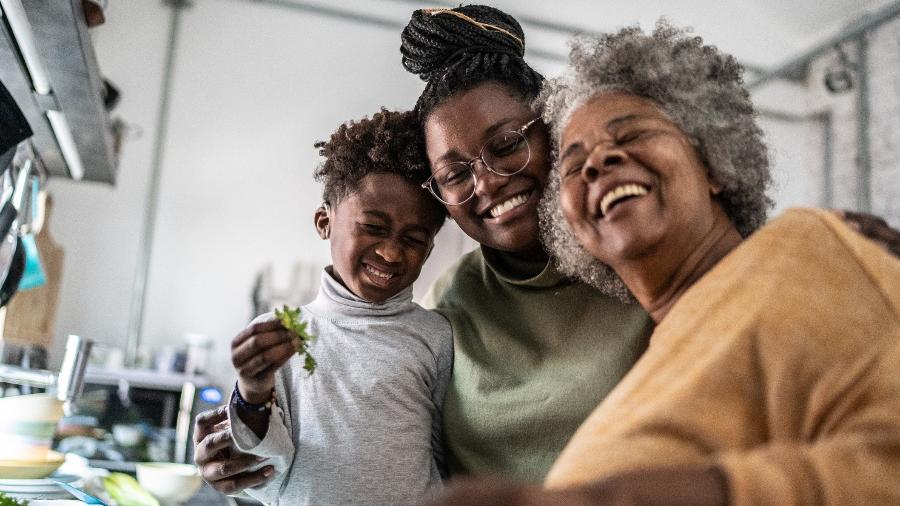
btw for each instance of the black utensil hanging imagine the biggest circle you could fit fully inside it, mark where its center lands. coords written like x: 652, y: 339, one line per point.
x: 14, y: 276
x: 7, y: 217
x: 7, y: 250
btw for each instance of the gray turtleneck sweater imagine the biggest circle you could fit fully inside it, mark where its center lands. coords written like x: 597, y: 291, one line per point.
x: 365, y: 428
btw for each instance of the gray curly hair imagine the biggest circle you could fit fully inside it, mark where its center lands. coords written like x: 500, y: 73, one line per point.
x: 699, y: 87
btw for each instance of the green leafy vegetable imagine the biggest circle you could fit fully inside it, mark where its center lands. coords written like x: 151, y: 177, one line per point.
x: 126, y: 490
x: 290, y: 320
x: 6, y: 500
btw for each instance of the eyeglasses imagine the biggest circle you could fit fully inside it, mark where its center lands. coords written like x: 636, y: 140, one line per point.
x: 504, y: 154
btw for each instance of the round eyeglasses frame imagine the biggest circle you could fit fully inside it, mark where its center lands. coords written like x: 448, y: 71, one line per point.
x: 431, y: 181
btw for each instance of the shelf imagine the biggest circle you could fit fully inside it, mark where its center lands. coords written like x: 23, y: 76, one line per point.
x: 143, y: 378
x: 64, y: 48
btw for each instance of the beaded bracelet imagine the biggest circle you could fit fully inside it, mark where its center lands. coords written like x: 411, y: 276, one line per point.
x: 243, y: 404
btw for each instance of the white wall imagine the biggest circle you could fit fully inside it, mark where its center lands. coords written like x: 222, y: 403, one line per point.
x: 884, y: 129
x: 254, y: 86
x: 806, y: 181
x: 100, y: 226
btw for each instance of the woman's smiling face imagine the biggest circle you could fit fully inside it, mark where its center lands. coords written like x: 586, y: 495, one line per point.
x: 632, y: 184
x: 503, y: 212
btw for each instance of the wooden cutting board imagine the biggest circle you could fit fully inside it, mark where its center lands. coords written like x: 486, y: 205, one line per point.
x: 30, y: 315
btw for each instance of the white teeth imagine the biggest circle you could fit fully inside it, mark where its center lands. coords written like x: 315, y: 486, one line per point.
x: 379, y: 274
x: 619, y: 192
x: 505, y: 206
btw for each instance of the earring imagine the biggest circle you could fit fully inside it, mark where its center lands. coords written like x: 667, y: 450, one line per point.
x: 327, y: 232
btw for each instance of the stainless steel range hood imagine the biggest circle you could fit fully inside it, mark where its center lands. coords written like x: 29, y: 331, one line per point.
x: 48, y: 64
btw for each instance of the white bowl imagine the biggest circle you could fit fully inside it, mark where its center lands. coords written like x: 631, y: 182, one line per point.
x: 127, y: 435
x: 27, y: 424
x: 168, y: 482
x: 34, y: 407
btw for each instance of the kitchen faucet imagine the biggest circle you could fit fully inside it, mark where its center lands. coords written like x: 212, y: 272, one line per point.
x: 68, y: 383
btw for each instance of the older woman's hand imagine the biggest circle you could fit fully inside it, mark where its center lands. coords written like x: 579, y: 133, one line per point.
x: 494, y: 493
x: 223, y: 467
x: 874, y: 228
x: 676, y: 486
x: 670, y: 486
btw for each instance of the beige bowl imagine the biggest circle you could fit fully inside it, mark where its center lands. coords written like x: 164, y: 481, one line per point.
x: 31, y: 468
x: 170, y: 483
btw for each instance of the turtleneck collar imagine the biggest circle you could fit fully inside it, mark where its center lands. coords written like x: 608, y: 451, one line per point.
x: 334, y: 300
x: 517, y: 271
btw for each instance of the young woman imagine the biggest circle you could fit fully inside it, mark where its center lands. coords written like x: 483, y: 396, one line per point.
x: 534, y: 350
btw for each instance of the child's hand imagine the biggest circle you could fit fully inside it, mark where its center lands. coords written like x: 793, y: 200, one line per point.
x: 256, y: 353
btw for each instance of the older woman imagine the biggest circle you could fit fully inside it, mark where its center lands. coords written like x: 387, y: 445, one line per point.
x: 775, y: 360
x: 773, y: 375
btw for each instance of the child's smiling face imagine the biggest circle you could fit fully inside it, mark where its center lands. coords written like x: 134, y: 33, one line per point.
x: 380, y: 235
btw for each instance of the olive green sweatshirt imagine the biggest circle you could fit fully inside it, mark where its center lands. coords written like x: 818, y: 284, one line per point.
x: 534, y: 354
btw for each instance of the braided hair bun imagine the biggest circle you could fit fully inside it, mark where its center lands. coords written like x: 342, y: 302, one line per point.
x: 434, y: 39
x: 456, y: 49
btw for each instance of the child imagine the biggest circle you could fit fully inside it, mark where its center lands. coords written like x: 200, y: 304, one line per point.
x: 365, y: 427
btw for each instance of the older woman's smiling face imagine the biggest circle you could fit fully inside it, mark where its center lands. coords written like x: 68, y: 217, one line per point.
x: 632, y: 184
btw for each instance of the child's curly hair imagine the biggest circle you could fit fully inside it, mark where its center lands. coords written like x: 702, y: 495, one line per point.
x: 389, y: 141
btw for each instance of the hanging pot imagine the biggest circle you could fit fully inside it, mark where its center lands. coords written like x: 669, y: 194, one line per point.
x: 14, y: 129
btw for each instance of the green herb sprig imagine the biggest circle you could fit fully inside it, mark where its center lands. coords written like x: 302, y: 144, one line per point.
x: 6, y: 500
x: 290, y: 320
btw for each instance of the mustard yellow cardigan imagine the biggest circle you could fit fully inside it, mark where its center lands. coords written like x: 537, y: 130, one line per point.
x: 781, y: 366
